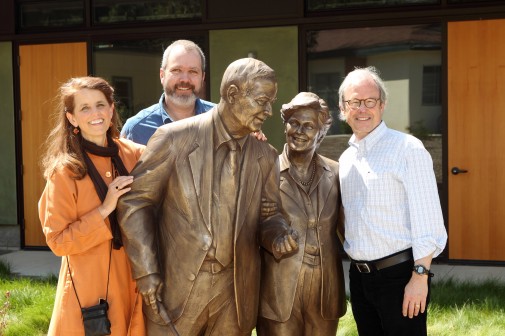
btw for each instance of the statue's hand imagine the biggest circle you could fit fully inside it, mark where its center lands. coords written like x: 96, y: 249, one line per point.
x: 268, y: 208
x: 151, y: 287
x: 287, y: 243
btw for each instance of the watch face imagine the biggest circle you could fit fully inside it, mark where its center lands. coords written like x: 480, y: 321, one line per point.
x: 420, y: 269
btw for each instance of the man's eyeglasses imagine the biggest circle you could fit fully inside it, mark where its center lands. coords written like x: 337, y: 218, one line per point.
x: 356, y: 103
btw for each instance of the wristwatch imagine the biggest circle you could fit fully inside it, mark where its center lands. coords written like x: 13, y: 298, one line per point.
x: 421, y: 270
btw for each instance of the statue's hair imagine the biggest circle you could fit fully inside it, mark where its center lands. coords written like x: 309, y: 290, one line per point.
x: 314, y: 102
x: 243, y: 73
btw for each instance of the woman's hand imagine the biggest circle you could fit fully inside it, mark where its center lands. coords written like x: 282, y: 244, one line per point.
x: 117, y: 188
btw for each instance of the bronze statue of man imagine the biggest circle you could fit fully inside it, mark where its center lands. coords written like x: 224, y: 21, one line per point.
x: 191, y: 222
x: 303, y: 295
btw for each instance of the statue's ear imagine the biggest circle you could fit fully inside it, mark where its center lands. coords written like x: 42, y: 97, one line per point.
x: 232, y: 93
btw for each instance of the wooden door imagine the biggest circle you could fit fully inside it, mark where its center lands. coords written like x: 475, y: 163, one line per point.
x: 43, y: 68
x: 476, y: 143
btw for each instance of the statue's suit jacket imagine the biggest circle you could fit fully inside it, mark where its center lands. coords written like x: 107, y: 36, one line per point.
x: 280, y: 278
x: 166, y: 217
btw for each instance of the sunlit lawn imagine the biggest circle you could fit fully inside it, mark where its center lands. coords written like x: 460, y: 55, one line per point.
x: 456, y: 308
x: 25, y: 304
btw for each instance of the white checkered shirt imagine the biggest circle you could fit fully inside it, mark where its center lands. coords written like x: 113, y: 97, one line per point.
x: 390, y: 197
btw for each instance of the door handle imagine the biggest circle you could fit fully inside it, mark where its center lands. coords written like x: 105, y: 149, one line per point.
x: 456, y: 171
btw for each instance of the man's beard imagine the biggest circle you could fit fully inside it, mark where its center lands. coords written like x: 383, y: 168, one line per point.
x: 181, y: 100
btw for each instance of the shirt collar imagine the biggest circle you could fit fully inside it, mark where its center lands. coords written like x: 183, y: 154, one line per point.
x: 284, y: 162
x: 371, y: 139
x: 222, y: 136
x: 199, y: 109
x: 164, y: 114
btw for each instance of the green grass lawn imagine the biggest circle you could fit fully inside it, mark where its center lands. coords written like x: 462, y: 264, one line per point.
x: 456, y: 308
x: 25, y: 304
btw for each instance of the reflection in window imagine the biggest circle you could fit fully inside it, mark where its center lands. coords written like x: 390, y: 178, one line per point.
x: 326, y: 85
x: 108, y: 11
x: 409, y: 61
x: 318, y: 5
x: 123, y: 93
x: 54, y: 13
x: 431, y: 84
x: 468, y: 1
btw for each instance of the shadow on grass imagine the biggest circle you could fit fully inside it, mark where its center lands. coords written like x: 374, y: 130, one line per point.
x: 451, y: 293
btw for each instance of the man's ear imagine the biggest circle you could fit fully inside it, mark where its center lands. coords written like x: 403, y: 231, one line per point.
x: 162, y: 75
x: 231, y: 94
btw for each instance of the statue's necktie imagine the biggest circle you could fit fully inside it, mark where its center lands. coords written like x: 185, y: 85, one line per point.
x: 227, y: 204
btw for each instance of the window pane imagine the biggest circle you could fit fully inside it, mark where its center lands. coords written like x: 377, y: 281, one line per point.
x: 108, y: 11
x: 431, y: 85
x: 408, y: 59
x: 468, y: 1
x: 51, y: 14
x: 136, y: 77
x: 318, y: 5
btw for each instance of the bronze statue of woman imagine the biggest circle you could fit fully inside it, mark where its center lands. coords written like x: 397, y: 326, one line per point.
x: 304, y: 294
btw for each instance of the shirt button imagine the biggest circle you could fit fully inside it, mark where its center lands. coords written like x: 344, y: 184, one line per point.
x: 192, y: 277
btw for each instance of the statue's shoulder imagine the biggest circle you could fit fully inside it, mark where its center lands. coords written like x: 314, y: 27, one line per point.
x: 264, y: 149
x: 329, y: 164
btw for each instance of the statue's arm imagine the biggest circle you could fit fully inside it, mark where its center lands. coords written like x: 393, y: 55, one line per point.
x: 275, y: 234
x: 137, y: 209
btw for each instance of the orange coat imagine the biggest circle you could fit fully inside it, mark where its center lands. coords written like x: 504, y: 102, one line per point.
x: 73, y: 226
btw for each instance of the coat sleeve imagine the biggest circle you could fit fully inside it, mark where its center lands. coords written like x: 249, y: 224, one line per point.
x: 68, y: 231
x: 276, y: 225
x: 136, y: 209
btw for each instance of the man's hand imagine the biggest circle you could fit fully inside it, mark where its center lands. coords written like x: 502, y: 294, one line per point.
x: 151, y: 287
x: 414, y: 298
x: 286, y: 244
x: 260, y: 135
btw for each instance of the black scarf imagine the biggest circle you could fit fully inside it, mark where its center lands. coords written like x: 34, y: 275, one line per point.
x: 101, y: 188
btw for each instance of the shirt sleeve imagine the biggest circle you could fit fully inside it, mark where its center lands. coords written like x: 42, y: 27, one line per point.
x: 427, y: 222
x: 126, y: 130
x: 67, y: 231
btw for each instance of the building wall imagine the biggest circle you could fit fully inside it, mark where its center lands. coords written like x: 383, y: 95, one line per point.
x: 277, y: 47
x: 9, y: 227
x: 145, y: 79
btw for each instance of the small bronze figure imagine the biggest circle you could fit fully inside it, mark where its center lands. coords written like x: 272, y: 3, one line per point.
x: 304, y: 294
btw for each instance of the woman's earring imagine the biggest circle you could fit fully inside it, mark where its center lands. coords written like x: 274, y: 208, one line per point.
x: 76, y: 130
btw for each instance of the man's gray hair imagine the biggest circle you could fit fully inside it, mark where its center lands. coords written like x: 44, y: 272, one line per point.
x: 188, y: 46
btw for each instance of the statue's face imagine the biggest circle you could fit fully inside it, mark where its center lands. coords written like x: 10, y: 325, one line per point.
x: 302, y: 130
x: 256, y: 106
